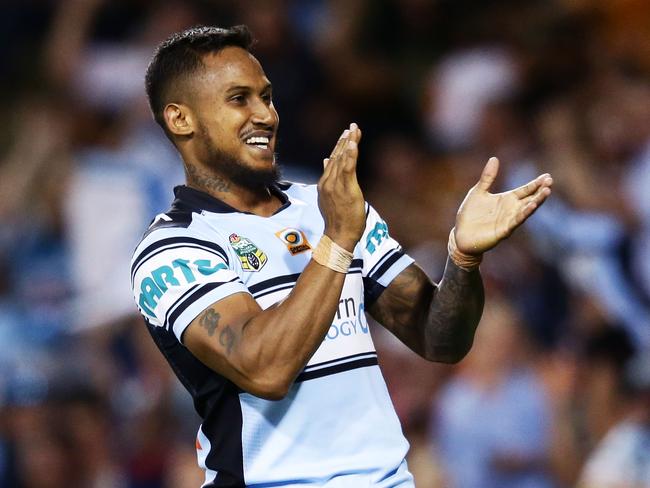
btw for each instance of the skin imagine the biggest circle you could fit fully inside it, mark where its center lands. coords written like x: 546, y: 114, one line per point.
x: 262, y: 351
x: 218, y: 108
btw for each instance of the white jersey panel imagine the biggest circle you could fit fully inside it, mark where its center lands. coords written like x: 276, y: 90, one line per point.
x: 343, y: 423
x: 337, y: 426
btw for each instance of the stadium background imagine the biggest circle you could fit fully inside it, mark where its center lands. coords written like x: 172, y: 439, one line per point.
x: 437, y: 87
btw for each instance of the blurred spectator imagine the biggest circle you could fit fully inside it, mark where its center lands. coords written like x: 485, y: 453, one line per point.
x: 492, y: 419
x: 124, y: 166
x: 585, y: 230
x: 33, y: 175
x: 84, y: 415
x: 622, y: 458
x: 585, y: 382
x: 462, y: 85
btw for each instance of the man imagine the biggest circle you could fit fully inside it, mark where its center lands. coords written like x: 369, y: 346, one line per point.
x: 255, y: 291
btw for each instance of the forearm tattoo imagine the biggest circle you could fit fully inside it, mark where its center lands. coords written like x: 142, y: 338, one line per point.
x: 455, y: 311
x: 437, y: 322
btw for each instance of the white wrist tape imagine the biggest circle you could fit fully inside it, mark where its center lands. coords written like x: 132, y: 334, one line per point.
x: 329, y: 254
x: 465, y: 261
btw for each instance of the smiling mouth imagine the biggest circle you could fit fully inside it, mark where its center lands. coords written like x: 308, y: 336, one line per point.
x: 260, y: 142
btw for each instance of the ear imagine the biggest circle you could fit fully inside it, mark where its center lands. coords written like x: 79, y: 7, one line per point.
x: 178, y: 118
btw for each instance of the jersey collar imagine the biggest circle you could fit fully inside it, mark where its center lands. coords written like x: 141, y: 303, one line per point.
x: 198, y: 200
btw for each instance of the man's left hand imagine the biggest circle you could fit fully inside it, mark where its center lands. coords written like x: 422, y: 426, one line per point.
x: 484, y: 219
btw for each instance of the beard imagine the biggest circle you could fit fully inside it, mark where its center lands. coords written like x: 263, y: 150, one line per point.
x: 237, y: 171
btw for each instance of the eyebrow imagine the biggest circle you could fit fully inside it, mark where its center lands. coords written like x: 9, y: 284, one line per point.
x: 245, y: 88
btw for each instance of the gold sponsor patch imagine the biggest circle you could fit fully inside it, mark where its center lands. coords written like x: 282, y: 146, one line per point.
x: 295, y: 240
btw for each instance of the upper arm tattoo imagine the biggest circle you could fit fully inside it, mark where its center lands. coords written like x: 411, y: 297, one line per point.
x: 209, y: 320
x: 227, y: 338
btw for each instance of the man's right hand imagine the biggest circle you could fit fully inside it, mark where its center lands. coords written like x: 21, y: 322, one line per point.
x: 340, y: 199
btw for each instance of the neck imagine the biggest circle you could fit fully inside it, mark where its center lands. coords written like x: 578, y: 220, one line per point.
x: 259, y: 201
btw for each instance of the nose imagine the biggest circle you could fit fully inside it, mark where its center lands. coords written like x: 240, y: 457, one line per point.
x: 263, y: 113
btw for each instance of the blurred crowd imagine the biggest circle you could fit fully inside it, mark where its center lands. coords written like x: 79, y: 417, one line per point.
x: 556, y: 391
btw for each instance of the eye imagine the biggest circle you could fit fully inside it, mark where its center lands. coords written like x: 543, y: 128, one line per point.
x: 267, y: 97
x: 238, y: 99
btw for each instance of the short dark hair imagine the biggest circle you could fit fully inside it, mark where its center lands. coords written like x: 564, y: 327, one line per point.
x: 182, y: 54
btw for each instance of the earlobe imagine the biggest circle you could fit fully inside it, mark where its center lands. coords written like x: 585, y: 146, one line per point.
x: 178, y: 119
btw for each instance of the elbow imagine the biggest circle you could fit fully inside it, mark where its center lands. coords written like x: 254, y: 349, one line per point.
x: 265, y: 377
x: 451, y: 358
x: 270, y: 389
x: 273, y: 394
x: 451, y: 354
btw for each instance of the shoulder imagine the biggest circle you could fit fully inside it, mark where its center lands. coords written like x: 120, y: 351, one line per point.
x: 178, y: 216
x: 178, y: 231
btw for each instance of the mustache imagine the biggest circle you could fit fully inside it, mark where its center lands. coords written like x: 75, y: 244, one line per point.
x: 270, y: 129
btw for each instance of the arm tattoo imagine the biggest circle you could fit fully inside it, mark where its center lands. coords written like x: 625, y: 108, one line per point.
x: 437, y: 322
x: 227, y: 339
x: 210, y: 321
x: 202, y: 180
x: 455, y: 312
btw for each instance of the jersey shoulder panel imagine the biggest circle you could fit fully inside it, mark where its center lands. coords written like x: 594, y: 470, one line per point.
x: 179, y: 215
x: 301, y: 191
x: 179, y: 269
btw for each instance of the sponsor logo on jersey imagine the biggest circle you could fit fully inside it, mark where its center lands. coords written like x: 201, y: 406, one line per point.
x: 295, y: 240
x: 376, y: 236
x: 161, y: 279
x: 350, y: 320
x: 252, y: 257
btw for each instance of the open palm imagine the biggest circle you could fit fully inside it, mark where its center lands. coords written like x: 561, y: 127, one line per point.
x: 484, y: 219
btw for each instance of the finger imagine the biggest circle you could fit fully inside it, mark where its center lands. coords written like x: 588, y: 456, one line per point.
x: 327, y: 171
x: 531, y: 204
x: 538, y: 197
x: 489, y: 174
x: 355, y: 132
x: 347, y: 162
x: 351, y: 151
x: 528, y: 210
x: 352, y: 148
x: 531, y: 187
x: 340, y: 144
x: 351, y: 156
x: 329, y: 164
x: 541, y: 195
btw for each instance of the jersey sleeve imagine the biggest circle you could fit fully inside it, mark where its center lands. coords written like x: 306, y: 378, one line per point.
x: 174, y: 279
x: 383, y: 257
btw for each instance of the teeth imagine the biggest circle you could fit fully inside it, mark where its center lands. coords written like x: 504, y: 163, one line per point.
x: 258, y: 140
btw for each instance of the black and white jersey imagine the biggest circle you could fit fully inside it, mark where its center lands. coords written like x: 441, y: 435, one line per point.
x: 337, y: 426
